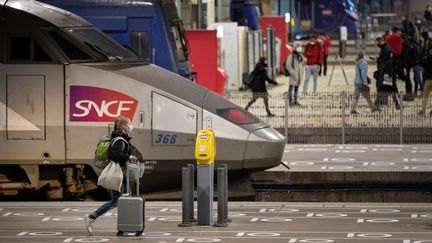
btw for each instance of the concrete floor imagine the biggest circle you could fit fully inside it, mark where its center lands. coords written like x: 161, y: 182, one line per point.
x: 251, y: 222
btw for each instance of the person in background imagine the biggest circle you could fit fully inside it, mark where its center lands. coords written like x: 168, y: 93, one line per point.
x: 428, y: 14
x: 326, y: 45
x: 428, y: 81
x: 120, y: 152
x: 314, y: 55
x: 411, y: 60
x: 425, y: 49
x: 361, y: 84
x: 258, y: 85
x: 295, y: 65
x: 385, y: 69
x: 395, y: 41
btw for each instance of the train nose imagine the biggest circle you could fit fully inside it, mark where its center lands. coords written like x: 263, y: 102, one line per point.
x: 264, y: 149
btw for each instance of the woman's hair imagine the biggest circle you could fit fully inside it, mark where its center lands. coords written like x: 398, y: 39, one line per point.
x: 121, y: 124
x: 360, y: 55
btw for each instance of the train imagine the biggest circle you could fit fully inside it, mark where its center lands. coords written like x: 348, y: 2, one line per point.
x: 306, y: 17
x: 62, y: 84
x: 151, y: 28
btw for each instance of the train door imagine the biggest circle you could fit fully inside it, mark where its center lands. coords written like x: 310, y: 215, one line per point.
x: 31, y: 104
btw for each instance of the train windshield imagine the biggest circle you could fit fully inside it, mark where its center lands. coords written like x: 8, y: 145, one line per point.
x: 180, y: 40
x: 103, y: 45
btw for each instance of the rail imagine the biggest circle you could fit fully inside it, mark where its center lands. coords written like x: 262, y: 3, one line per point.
x: 326, y: 118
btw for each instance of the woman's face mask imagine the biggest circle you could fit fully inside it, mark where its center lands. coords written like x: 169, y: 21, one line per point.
x: 299, y: 49
x: 130, y: 128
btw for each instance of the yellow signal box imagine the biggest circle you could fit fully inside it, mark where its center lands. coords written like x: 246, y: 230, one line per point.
x: 205, y: 147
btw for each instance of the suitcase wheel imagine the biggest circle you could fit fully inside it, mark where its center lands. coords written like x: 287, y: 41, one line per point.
x: 138, y: 233
x: 120, y: 233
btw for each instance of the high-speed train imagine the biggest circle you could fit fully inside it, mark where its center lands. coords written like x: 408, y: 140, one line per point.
x: 63, y: 82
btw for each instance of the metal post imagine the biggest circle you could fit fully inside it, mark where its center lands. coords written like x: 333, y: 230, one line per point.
x: 186, y: 198
x: 205, y: 194
x: 221, y: 220
x: 191, y: 192
x: 286, y: 118
x: 343, y: 94
x: 227, y: 219
x: 401, y: 115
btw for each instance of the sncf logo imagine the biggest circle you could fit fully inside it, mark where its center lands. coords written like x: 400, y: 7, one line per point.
x: 92, y: 104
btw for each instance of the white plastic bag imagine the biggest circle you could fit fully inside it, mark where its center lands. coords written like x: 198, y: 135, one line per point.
x: 111, y: 177
x: 136, y: 170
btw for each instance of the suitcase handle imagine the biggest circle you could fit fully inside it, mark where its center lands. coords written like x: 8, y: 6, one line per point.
x: 128, y: 191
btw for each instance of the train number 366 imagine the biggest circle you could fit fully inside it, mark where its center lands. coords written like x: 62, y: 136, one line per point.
x: 166, y: 139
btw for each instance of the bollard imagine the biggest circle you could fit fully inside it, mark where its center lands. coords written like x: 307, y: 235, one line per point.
x: 186, y: 204
x: 227, y: 219
x: 221, y: 198
x: 191, y: 193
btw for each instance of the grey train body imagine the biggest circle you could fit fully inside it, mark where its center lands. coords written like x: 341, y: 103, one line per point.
x: 57, y: 100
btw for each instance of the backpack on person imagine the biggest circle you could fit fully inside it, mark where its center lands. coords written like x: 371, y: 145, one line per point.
x: 249, y: 81
x: 286, y: 71
x: 102, y: 152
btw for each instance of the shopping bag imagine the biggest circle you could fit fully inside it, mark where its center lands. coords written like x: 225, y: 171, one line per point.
x: 111, y: 177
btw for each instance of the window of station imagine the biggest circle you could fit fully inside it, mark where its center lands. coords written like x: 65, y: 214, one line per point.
x: 141, y: 43
x: 26, y: 49
x: 71, y: 51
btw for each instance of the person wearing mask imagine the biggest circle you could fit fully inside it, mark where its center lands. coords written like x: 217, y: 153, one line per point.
x: 258, y: 85
x: 120, y: 152
x: 314, y: 55
x: 361, y: 84
x: 411, y: 60
x: 295, y: 65
x: 385, y: 72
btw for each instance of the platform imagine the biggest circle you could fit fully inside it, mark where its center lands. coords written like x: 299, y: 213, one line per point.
x: 349, y: 173
x: 251, y: 222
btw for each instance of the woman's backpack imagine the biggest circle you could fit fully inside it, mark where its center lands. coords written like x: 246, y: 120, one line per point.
x: 102, y: 152
x: 249, y: 81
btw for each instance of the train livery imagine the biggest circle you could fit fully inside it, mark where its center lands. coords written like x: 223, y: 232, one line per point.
x: 63, y: 82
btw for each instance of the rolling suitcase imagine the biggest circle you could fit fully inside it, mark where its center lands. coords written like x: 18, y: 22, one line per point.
x: 130, y: 213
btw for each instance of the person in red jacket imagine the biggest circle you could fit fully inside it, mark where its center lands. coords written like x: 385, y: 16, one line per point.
x: 326, y: 45
x: 314, y: 54
x: 395, y: 41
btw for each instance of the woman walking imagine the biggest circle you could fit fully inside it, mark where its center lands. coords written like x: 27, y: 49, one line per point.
x: 258, y: 85
x: 119, y: 153
x: 295, y: 65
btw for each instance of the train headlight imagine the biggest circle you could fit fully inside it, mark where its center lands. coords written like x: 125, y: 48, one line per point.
x: 237, y: 116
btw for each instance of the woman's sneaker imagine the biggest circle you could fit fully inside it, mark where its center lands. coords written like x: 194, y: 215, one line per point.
x: 89, y: 223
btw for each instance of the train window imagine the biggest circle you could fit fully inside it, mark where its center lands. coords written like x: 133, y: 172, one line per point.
x: 26, y: 49
x: 141, y: 43
x: 19, y: 48
x: 39, y: 54
x: 237, y: 116
x: 72, y: 51
x: 180, y: 41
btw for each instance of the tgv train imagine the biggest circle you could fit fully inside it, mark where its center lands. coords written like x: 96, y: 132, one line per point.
x: 63, y: 82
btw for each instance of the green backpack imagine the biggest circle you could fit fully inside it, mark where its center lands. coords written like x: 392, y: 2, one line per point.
x: 102, y: 152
